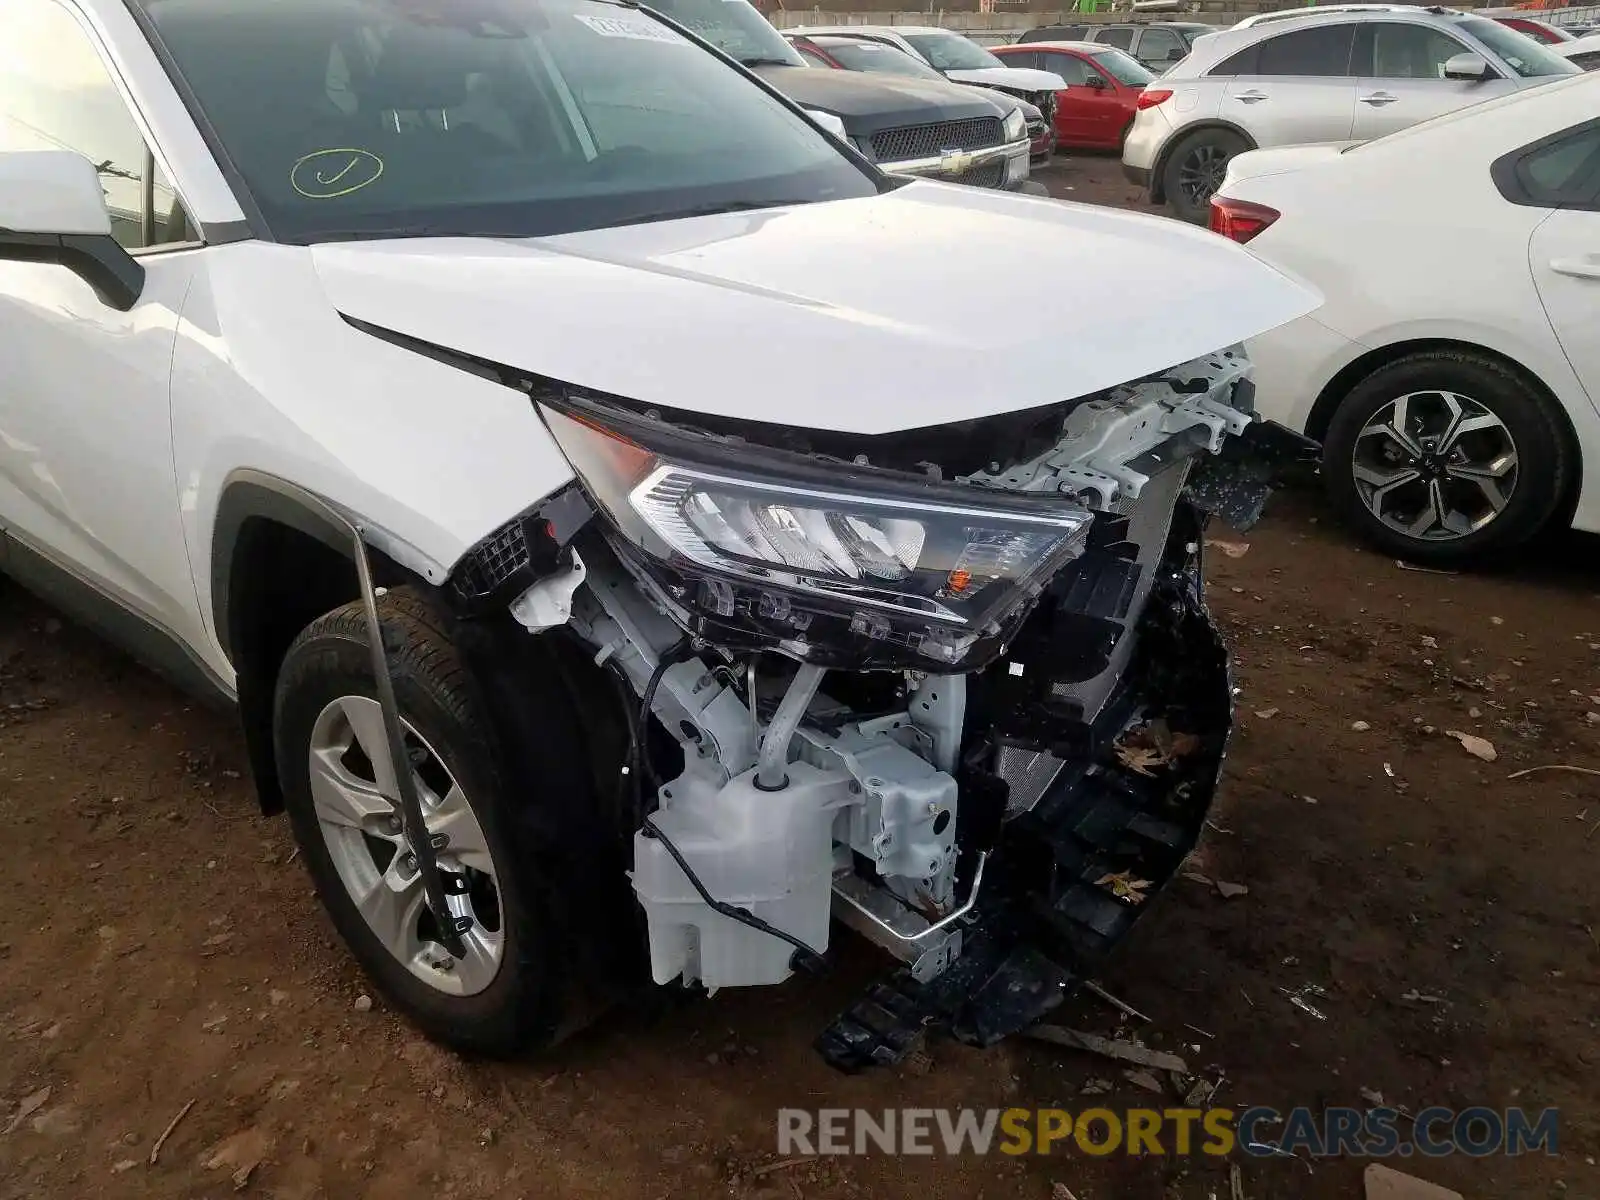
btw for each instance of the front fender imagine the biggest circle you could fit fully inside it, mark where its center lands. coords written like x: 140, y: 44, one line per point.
x: 430, y: 457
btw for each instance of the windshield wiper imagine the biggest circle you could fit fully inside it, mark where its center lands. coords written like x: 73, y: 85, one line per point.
x: 761, y: 61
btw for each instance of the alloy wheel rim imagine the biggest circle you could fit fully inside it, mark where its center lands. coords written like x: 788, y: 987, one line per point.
x: 365, y: 840
x: 1202, y: 171
x: 1435, y: 466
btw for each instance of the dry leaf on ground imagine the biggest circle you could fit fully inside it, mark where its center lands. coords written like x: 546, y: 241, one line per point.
x: 1125, y: 886
x: 1474, y: 745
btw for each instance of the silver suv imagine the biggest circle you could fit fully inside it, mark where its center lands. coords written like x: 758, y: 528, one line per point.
x: 1317, y: 76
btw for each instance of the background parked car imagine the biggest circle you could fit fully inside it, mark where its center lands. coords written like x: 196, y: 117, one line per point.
x: 843, y: 53
x: 1096, y: 108
x: 1156, y: 44
x: 1581, y: 52
x: 907, y: 126
x: 958, y: 59
x: 1451, y: 379
x: 1539, y: 31
x: 1317, y: 76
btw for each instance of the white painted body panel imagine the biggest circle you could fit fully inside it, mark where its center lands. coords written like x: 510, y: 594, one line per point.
x: 703, y: 314
x: 433, y: 458
x: 51, y: 191
x: 1407, y: 238
x: 86, y: 433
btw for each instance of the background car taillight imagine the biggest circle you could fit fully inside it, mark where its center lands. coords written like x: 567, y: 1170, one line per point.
x: 1151, y: 97
x: 1240, y: 220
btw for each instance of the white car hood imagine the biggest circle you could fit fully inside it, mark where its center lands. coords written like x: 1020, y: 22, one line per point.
x: 1026, y: 78
x: 930, y: 304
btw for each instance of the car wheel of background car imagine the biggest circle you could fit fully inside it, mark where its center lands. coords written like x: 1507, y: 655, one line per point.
x: 328, y: 731
x: 1195, y: 170
x: 1445, y: 456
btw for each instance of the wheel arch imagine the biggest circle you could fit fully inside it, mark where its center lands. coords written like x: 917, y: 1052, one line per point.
x: 1158, y: 171
x: 280, y: 557
x: 1320, y: 416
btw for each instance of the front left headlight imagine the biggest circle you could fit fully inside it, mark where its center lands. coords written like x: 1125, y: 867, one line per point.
x: 773, y: 535
x: 1016, y: 125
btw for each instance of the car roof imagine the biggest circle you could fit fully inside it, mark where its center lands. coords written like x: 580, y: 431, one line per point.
x: 832, y: 37
x: 1211, y: 47
x: 1326, y: 10
x: 1078, y: 47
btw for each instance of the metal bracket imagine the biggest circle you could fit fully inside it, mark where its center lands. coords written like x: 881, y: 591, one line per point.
x: 900, y: 929
x: 407, y: 802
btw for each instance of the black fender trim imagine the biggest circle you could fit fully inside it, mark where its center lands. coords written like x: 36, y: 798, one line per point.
x: 246, y: 496
x: 250, y: 494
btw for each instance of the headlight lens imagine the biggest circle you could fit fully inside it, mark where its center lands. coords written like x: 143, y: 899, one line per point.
x: 942, y: 555
x: 1016, y: 125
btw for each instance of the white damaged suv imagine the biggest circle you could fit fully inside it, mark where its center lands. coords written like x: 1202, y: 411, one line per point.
x: 628, y: 539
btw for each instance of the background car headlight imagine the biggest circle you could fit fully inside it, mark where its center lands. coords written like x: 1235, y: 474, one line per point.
x: 1016, y: 125
x: 876, y: 543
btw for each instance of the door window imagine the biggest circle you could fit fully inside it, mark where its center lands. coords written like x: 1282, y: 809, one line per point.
x: 1160, y: 45
x: 1022, y: 58
x: 56, y: 94
x: 1563, y: 170
x: 1323, y: 51
x: 1405, y: 51
x: 1120, y: 36
x: 1072, y: 69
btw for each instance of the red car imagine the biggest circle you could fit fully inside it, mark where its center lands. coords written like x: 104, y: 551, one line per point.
x: 1539, y: 31
x: 1103, y: 88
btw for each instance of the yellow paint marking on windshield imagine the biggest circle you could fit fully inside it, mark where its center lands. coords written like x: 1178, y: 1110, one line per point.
x: 329, y: 174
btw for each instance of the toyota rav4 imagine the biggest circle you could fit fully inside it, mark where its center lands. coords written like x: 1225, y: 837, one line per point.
x: 630, y: 535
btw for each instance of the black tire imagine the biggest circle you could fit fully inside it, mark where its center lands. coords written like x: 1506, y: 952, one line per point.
x: 521, y: 1008
x: 1544, y: 458
x: 1215, y: 146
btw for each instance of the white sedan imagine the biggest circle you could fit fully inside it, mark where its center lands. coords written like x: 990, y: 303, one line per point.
x: 1453, y: 374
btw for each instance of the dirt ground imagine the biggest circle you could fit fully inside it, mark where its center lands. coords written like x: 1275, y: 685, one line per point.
x: 162, y: 953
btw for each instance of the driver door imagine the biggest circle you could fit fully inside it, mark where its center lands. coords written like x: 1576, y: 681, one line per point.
x: 87, y: 493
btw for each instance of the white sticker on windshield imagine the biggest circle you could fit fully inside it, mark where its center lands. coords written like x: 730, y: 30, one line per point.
x: 634, y: 30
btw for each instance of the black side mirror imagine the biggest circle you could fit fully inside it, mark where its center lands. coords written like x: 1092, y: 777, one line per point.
x: 1097, y: 82
x: 98, y: 259
x: 1176, y: 54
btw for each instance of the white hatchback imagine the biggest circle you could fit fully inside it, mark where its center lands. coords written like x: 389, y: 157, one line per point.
x: 1453, y: 374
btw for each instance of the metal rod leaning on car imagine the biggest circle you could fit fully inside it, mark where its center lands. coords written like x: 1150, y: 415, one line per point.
x: 407, y: 800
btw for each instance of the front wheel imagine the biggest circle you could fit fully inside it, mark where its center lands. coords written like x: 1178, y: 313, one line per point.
x: 502, y: 995
x: 1445, y: 456
x: 1195, y: 170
